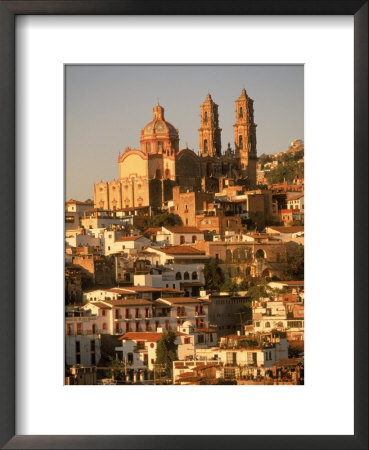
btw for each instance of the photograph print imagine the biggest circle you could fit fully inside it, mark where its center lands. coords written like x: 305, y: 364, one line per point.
x: 184, y: 225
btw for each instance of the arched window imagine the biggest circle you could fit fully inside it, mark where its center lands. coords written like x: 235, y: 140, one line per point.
x: 186, y: 276
x: 178, y: 276
x: 241, y: 112
x: 228, y: 255
x: 240, y: 142
x: 194, y: 275
x: 205, y: 116
x: 205, y: 145
x: 260, y: 254
x: 267, y: 324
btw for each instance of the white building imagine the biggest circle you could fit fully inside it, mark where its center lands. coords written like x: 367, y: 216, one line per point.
x: 295, y: 201
x: 82, y: 341
x: 179, y: 235
x: 128, y: 245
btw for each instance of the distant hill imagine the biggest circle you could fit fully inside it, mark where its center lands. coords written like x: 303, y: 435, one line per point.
x: 284, y: 166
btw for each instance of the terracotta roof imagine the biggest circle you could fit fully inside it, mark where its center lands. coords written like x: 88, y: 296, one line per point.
x: 182, y: 300
x: 152, y: 230
x: 149, y: 289
x: 129, y: 302
x: 129, y: 238
x: 295, y: 229
x: 181, y: 250
x: 145, y: 336
x: 295, y: 197
x: 100, y: 305
x: 183, y: 229
x: 78, y: 202
x: 288, y: 362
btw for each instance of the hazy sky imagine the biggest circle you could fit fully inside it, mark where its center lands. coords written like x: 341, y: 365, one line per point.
x: 107, y: 106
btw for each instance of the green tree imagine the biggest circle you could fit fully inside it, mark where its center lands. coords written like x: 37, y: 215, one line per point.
x: 229, y: 286
x: 295, y: 262
x: 165, y: 219
x: 259, y: 290
x: 213, y: 275
x: 116, y: 369
x: 166, y: 351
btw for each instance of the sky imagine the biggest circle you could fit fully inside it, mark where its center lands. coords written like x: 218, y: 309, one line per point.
x: 107, y: 106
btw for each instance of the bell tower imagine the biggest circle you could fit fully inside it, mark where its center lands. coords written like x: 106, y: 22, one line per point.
x: 209, y: 133
x: 245, y: 136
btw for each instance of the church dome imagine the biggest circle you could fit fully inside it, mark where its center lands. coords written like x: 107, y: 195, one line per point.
x: 159, y: 126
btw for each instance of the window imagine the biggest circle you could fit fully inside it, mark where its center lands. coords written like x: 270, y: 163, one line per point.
x: 186, y: 221
x: 103, y: 312
x: 205, y: 117
x: 200, y: 339
x: 79, y: 328
x: 194, y: 275
x: 182, y: 240
x: 187, y: 340
x: 147, y: 325
x: 160, y: 145
x: 194, y: 239
x: 240, y: 142
x: 178, y: 276
x: 137, y: 326
x: 69, y: 329
x: 167, y: 325
x: 157, y: 325
x: 267, y: 324
x: 104, y: 326
x: 240, y: 113
x: 78, y: 352
x: 127, y: 327
x: 205, y: 146
x: 186, y: 276
x: 93, y: 329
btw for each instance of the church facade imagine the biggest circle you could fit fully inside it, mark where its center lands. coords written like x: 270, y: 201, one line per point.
x: 146, y: 176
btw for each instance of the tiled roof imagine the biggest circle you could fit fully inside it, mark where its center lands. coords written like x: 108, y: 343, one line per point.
x: 183, y: 229
x: 288, y: 362
x: 101, y: 305
x: 295, y: 229
x: 129, y: 302
x: 181, y: 300
x: 129, y: 238
x: 182, y: 250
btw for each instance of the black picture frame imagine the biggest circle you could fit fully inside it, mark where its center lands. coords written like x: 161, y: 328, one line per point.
x: 8, y: 12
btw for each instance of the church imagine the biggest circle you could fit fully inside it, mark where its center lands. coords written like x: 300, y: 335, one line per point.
x: 147, y: 175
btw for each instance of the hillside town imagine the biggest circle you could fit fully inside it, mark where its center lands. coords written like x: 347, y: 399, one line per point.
x: 188, y: 269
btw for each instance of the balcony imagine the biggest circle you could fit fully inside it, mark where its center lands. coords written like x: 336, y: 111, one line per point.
x: 200, y: 314
x: 118, y: 317
x: 140, y: 349
x: 84, y: 332
x: 128, y: 317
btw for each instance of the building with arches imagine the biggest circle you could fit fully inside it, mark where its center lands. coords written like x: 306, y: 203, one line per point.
x: 146, y: 176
